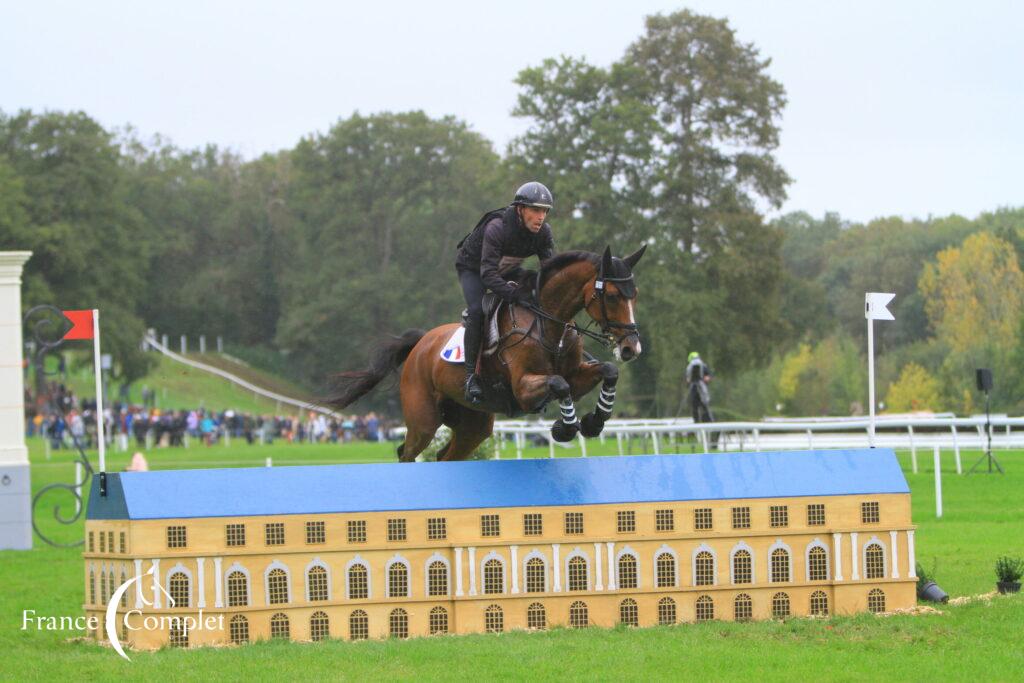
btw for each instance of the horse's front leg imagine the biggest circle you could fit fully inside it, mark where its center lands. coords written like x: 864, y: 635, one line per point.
x: 534, y: 390
x: 583, y: 381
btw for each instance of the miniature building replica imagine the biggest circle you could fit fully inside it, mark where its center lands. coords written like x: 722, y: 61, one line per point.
x: 371, y: 551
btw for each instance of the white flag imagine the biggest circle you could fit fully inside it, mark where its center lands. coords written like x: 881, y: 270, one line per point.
x: 875, y: 306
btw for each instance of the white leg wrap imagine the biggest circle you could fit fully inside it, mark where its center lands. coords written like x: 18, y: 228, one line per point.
x: 606, y: 400
x: 568, y: 411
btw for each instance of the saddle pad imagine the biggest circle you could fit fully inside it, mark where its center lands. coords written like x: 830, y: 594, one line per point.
x: 454, y: 351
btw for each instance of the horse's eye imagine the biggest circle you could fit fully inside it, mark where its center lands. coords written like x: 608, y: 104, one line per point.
x: 612, y: 298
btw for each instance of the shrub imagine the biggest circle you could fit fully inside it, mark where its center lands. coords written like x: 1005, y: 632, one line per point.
x: 1009, y: 569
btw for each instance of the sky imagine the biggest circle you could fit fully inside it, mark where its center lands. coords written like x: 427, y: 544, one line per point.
x: 894, y: 108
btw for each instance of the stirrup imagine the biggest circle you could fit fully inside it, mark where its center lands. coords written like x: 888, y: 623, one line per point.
x: 474, y: 390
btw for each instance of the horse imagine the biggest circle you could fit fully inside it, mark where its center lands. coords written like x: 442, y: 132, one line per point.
x: 538, y: 358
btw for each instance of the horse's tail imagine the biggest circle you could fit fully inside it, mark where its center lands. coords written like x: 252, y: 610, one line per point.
x: 349, y: 387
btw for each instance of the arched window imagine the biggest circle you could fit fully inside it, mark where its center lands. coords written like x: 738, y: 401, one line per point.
x: 817, y: 564
x: 536, y: 616
x: 494, y: 619
x: 316, y: 584
x: 743, y: 607
x: 704, y: 569
x: 494, y: 576
x: 438, y: 620
x: 319, y: 626
x: 780, y: 606
x: 178, y: 589
x: 665, y: 573
x: 627, y: 571
x: 398, y: 623
x: 358, y: 582
x: 874, y: 562
x: 178, y: 635
x: 876, y: 601
x: 398, y: 580
x: 358, y: 625
x: 277, y: 587
x: 628, y: 613
x: 111, y: 585
x: 280, y: 627
x: 666, y: 611
x: 92, y: 587
x: 437, y: 579
x: 742, y: 567
x: 103, y: 586
x: 124, y: 596
x: 705, y: 608
x: 577, y: 573
x: 578, y: 615
x: 239, y: 628
x: 536, y: 575
x: 238, y: 589
x: 819, y: 604
x: 779, y: 566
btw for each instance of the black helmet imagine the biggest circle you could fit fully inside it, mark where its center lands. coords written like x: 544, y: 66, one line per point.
x: 534, y: 194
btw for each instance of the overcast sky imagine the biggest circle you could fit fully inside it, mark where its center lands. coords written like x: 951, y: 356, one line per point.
x: 895, y: 108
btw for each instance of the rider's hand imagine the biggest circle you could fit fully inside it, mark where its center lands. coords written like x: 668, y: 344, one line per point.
x: 522, y: 295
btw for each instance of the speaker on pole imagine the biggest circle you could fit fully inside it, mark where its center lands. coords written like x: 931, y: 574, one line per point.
x: 984, y: 377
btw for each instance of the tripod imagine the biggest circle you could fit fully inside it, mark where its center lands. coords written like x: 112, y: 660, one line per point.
x: 988, y: 451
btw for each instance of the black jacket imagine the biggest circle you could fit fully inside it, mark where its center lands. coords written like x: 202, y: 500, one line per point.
x: 498, y: 245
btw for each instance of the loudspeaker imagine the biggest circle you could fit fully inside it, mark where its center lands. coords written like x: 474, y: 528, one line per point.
x: 984, y: 377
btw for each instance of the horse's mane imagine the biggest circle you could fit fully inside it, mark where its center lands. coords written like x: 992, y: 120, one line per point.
x: 558, y: 262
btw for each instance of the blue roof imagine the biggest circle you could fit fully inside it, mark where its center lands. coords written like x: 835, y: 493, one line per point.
x: 321, y: 489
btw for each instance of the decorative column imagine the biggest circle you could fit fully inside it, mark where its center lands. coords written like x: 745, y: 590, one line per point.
x: 854, y: 574
x: 557, y: 565
x: 138, y: 584
x: 598, y: 585
x: 458, y: 573
x: 837, y: 550
x: 472, y: 570
x: 201, y: 582
x: 156, y: 584
x: 612, y: 569
x: 218, y: 588
x: 515, y: 567
x: 895, y: 556
x: 911, y: 560
x: 15, y: 490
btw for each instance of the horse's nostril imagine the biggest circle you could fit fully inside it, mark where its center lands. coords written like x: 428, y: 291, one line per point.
x: 627, y: 353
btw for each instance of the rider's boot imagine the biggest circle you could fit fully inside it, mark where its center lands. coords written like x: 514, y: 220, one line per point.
x: 474, y: 387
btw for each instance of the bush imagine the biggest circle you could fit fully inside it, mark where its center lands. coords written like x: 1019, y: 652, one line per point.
x: 1009, y: 569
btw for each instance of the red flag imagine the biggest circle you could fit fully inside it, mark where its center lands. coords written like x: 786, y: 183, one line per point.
x: 81, y: 324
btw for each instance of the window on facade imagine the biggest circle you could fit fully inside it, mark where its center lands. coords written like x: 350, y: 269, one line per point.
x: 280, y: 627
x: 573, y: 523
x: 577, y: 574
x: 817, y: 564
x: 819, y: 604
x: 277, y: 587
x: 178, y: 589
x: 175, y: 537
x: 319, y: 626
x: 274, y: 533
x: 238, y: 590
x: 536, y: 616
x: 398, y: 581
x: 778, y: 515
x: 876, y: 601
x: 437, y: 529
x: 490, y: 525
x: 626, y: 521
x: 779, y: 566
x: 874, y: 562
x: 743, y: 607
x: 92, y: 587
x: 742, y: 567
x: 316, y: 532
x: 705, y: 608
x: 494, y: 576
x: 316, y: 582
x: 780, y: 606
x: 396, y: 529
x: 123, y: 545
x: 438, y: 621
x: 358, y: 625
x: 398, y: 623
x: 704, y: 566
x: 665, y: 571
x: 92, y: 538
x: 357, y: 531
x: 358, y: 582
x: 628, y: 613
x: 494, y: 619
x: 533, y: 524
x: 103, y: 587
x: 103, y: 540
x: 239, y: 629
x: 816, y: 514
x: 124, y: 596
x: 664, y: 520
x: 178, y: 636
x: 536, y: 573
x: 627, y: 571
x: 110, y: 583
x: 437, y: 578
x: 235, y: 534
x: 579, y: 616
x: 702, y: 519
x: 869, y: 512
x: 666, y: 611
x: 110, y: 541
x: 741, y: 518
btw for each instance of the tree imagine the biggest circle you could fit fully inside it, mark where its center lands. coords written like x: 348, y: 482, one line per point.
x: 915, y: 390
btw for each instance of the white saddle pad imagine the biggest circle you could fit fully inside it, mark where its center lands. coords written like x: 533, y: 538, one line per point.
x: 454, y: 351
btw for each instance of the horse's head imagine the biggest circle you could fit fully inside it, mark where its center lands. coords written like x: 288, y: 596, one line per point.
x: 610, y: 299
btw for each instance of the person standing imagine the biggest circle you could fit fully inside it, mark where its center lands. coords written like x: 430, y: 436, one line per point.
x: 698, y: 376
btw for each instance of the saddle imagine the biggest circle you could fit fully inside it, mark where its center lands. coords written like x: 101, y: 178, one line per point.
x: 492, y: 305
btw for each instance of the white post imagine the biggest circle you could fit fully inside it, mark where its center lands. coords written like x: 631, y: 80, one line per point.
x: 220, y: 344
x: 854, y: 574
x: 202, y: 343
x: 583, y: 444
x: 218, y: 586
x: 599, y: 584
x: 101, y: 442
x: 654, y: 442
x: 558, y: 570
x: 956, y: 452
x: 938, y: 484
x: 913, y: 447
x: 911, y: 558
x: 871, y: 383
x: 270, y: 462
x: 138, y: 584
x: 184, y: 345
x: 156, y: 584
x: 611, y: 566
x: 458, y: 573
x: 519, y: 445
x: 472, y: 570
x: 551, y: 447
x: 837, y: 545
x: 514, y: 552
x: 895, y: 555
x: 201, y: 582
x: 164, y: 341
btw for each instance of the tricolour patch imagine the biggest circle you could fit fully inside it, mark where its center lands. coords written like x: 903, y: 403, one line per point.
x: 454, y: 351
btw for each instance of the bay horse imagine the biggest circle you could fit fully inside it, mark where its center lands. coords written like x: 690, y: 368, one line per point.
x: 539, y: 357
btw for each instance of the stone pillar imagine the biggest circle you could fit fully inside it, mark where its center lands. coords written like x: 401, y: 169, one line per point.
x: 895, y: 556
x: 138, y: 584
x: 558, y: 570
x: 838, y: 552
x: 911, y: 559
x: 201, y: 582
x: 854, y: 574
x: 612, y: 569
x: 156, y: 584
x: 599, y: 583
x: 472, y: 570
x: 15, y: 490
x: 514, y: 549
x: 458, y: 573
x: 218, y: 586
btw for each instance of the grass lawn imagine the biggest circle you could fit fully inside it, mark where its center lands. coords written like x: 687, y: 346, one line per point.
x: 984, y: 518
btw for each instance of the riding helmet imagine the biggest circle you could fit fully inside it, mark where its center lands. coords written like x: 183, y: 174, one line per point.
x: 534, y: 194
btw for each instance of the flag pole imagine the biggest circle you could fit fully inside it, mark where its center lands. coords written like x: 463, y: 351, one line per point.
x: 99, y: 389
x: 871, y: 382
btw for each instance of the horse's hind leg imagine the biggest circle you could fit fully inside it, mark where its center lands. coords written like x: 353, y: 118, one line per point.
x: 469, y: 431
x: 422, y: 418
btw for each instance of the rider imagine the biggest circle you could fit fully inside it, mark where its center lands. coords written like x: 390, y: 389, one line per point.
x: 490, y: 256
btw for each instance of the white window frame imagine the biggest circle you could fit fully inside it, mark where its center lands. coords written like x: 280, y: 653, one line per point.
x: 704, y: 548
x: 397, y: 559
x: 864, y: 557
x: 816, y: 543
x: 437, y: 557
x: 547, y: 572
x: 732, y: 567
x: 654, y: 566
x: 771, y: 549
x: 179, y: 568
x: 236, y: 567
x: 369, y: 578
x: 277, y: 564
x: 626, y: 550
x: 317, y: 562
x: 578, y: 552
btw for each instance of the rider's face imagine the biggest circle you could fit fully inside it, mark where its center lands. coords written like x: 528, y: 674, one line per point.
x: 533, y: 217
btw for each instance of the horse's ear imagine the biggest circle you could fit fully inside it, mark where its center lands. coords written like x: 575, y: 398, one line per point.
x: 606, y: 262
x: 632, y: 259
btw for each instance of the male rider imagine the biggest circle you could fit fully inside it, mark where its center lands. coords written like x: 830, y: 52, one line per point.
x: 490, y: 257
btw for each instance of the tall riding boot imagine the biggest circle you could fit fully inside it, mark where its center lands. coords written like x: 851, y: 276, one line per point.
x: 474, y: 331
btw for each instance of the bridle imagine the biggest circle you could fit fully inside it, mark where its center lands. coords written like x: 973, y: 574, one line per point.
x: 631, y: 329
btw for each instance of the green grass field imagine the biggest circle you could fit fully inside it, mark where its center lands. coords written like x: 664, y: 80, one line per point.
x: 984, y: 518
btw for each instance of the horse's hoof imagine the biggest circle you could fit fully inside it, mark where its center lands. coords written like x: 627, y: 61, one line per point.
x: 562, y: 432
x: 591, y: 425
